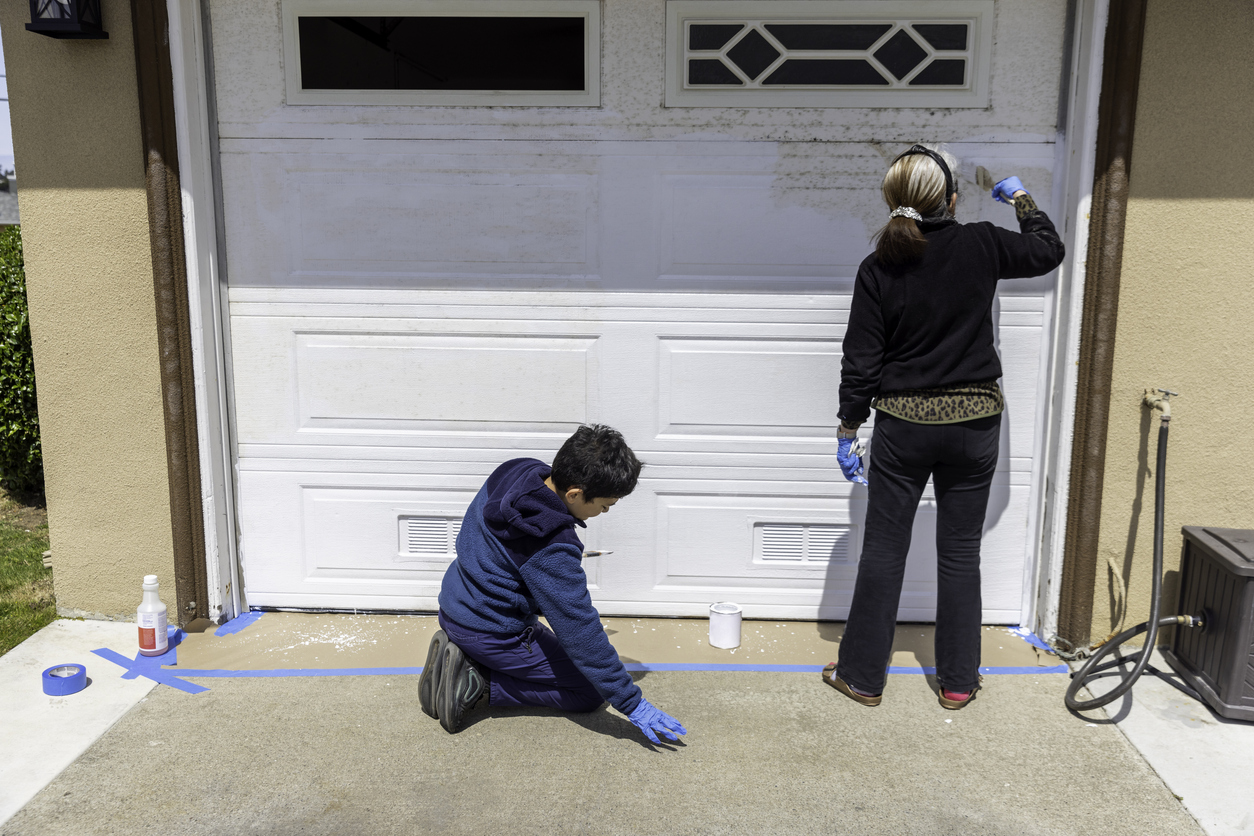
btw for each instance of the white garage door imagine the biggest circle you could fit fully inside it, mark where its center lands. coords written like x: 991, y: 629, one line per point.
x: 421, y: 291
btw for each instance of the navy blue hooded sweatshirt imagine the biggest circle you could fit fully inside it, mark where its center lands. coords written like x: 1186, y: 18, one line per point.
x: 518, y: 557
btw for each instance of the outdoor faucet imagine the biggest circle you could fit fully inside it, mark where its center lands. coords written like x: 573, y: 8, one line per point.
x: 1160, y: 399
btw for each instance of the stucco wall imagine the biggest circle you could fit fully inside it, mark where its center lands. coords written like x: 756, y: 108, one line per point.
x: 93, y: 318
x: 1186, y: 303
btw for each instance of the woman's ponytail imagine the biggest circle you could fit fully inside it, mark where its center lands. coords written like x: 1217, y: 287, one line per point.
x: 900, y: 241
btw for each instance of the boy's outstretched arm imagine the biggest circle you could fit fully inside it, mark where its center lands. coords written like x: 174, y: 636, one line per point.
x: 556, y: 580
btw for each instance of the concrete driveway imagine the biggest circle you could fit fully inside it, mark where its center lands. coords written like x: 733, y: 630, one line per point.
x: 768, y: 751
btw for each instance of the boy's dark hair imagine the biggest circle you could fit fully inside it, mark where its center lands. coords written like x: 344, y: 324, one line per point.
x: 597, y: 460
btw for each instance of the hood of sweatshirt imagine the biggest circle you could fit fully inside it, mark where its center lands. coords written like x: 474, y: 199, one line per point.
x: 519, y: 505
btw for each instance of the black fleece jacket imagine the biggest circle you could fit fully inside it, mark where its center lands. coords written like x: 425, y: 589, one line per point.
x: 930, y: 323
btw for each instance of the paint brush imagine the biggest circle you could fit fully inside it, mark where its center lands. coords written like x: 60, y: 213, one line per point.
x: 984, y: 179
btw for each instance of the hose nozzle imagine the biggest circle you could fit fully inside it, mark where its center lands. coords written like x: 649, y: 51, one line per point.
x: 1160, y: 399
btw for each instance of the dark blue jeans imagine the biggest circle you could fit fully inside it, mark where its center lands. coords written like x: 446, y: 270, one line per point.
x: 961, y: 459
x: 527, y: 669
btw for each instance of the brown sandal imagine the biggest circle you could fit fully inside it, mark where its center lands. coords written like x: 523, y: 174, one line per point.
x: 830, y: 677
x: 955, y: 705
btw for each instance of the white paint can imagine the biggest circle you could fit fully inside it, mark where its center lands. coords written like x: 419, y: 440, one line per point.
x: 725, y: 625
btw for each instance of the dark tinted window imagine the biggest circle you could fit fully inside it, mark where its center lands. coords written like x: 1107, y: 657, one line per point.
x: 824, y: 71
x: 711, y: 35
x: 442, y: 53
x: 711, y: 71
x: 942, y: 71
x: 827, y: 35
x: 944, y: 35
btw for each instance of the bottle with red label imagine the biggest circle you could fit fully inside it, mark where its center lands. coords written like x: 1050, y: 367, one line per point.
x: 151, y: 615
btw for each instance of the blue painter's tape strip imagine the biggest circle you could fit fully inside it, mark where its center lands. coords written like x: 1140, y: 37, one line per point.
x: 667, y: 666
x: 238, y: 623
x: 1031, y: 638
x: 149, y: 667
x: 997, y: 671
x: 302, y: 672
x: 142, y: 670
x: 1027, y: 670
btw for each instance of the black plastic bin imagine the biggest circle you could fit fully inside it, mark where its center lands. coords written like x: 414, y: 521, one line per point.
x: 1217, y: 582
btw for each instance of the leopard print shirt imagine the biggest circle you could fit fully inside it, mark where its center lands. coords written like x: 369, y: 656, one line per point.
x: 944, y: 404
x: 1024, y: 206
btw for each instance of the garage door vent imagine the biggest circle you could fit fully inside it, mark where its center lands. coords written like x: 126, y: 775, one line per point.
x: 802, y: 543
x: 429, y: 535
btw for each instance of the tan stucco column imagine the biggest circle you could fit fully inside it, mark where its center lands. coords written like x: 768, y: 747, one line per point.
x: 85, y: 232
x: 1186, y: 300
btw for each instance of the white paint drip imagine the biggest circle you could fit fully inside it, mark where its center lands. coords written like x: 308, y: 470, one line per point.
x: 342, y: 634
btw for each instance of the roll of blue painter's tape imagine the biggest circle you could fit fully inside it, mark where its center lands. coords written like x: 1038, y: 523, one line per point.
x: 61, y: 680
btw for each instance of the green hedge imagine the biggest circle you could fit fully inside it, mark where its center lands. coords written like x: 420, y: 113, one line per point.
x: 21, y: 459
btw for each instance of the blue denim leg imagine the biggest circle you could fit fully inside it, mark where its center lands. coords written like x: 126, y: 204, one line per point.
x: 527, y: 669
x: 961, y: 459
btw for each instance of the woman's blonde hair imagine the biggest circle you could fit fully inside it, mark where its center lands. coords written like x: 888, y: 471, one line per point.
x: 915, y: 181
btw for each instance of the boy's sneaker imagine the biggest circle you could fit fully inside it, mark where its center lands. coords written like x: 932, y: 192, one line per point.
x: 429, y: 682
x: 462, y: 683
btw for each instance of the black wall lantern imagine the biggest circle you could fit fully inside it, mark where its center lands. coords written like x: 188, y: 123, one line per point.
x: 66, y: 18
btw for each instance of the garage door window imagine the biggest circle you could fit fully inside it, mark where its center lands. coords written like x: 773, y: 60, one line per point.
x: 820, y: 53
x: 447, y: 53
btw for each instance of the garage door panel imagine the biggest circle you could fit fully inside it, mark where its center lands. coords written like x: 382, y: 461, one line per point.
x: 444, y: 383
x: 1021, y: 348
x: 1024, y: 68
x: 545, y: 215
x: 747, y: 387
x: 352, y: 219
x: 401, y: 382
x: 566, y: 214
x: 423, y: 222
x: 779, y: 542
x: 367, y: 532
x: 391, y: 424
x: 345, y: 540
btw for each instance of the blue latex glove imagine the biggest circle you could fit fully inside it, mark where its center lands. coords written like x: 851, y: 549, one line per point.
x: 648, y: 717
x: 1004, y: 191
x: 849, y: 460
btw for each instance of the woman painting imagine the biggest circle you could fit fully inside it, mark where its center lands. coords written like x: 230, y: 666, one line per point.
x: 919, y: 349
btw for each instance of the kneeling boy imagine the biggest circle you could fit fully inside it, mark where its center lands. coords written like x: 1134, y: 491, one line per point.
x: 518, y: 557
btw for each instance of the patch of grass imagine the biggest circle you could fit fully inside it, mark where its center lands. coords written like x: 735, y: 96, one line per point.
x: 26, y: 600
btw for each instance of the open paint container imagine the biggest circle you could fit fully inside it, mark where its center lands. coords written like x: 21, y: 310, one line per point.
x: 725, y: 625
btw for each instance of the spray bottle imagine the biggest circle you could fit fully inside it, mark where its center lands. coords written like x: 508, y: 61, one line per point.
x: 151, y: 615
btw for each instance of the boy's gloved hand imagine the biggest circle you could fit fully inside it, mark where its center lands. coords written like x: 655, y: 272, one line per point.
x: 1004, y: 191
x: 648, y: 717
x: 849, y: 456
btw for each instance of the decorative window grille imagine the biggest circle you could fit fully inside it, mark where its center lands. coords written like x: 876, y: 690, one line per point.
x: 429, y: 536
x: 442, y: 52
x: 825, y: 53
x: 803, y: 544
